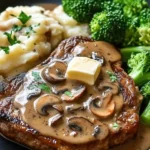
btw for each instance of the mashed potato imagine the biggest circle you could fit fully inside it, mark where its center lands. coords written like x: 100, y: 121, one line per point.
x: 71, y: 26
x: 35, y: 39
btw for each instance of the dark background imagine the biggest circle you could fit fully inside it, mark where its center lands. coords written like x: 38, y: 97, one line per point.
x: 4, y: 144
x: 5, y: 3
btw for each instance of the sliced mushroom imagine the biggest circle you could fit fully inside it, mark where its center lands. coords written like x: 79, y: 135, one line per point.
x: 71, y: 90
x: 86, y: 130
x: 55, y: 72
x: 54, y: 120
x: 59, y: 108
x: 102, y: 107
x: 96, y: 131
x: 95, y: 56
x: 109, y: 86
x: 74, y: 94
x: 59, y: 89
x: 80, y: 50
x: 34, y: 93
x: 46, y: 101
x: 74, y: 107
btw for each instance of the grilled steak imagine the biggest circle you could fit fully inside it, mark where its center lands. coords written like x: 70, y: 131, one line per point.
x: 37, y: 111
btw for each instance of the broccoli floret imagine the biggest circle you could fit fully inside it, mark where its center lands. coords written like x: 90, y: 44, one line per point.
x: 131, y: 34
x: 136, y: 34
x: 145, y: 117
x: 132, y: 7
x: 145, y: 16
x: 81, y: 10
x: 126, y: 52
x: 111, y: 6
x: 109, y: 26
x: 139, y: 65
x: 138, y: 30
x: 144, y: 29
x: 145, y: 90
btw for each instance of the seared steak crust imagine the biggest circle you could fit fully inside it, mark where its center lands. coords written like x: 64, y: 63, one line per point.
x: 14, y: 128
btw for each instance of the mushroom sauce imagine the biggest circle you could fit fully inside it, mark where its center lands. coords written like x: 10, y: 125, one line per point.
x: 140, y: 142
x: 68, y: 109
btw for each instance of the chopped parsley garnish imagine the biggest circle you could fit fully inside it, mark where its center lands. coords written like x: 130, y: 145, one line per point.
x: 68, y: 93
x: 37, y: 25
x: 5, y: 49
x: 116, y: 126
x: 36, y: 76
x: 32, y: 86
x: 17, y: 28
x: 112, y: 76
x: 12, y: 39
x: 40, y: 84
x: 24, y: 18
x: 30, y: 30
x: 44, y: 87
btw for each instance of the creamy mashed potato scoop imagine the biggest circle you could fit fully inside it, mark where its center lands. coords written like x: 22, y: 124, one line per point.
x: 70, y: 25
x: 27, y: 36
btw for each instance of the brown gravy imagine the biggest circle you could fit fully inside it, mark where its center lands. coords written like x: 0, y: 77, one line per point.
x: 67, y: 115
x: 141, y: 142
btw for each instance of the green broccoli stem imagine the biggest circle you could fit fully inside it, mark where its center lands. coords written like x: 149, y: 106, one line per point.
x: 126, y: 52
x: 139, y: 77
x: 145, y: 117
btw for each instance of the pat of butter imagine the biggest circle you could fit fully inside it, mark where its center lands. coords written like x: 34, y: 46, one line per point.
x: 83, y: 69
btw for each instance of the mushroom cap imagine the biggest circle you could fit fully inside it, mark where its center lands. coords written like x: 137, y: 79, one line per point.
x: 46, y: 101
x: 54, y: 120
x: 74, y: 107
x: 102, y: 107
x: 114, y: 89
x: 98, y: 57
x: 55, y: 72
x: 75, y: 94
x: 70, y: 91
x: 33, y: 93
x: 85, y: 130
